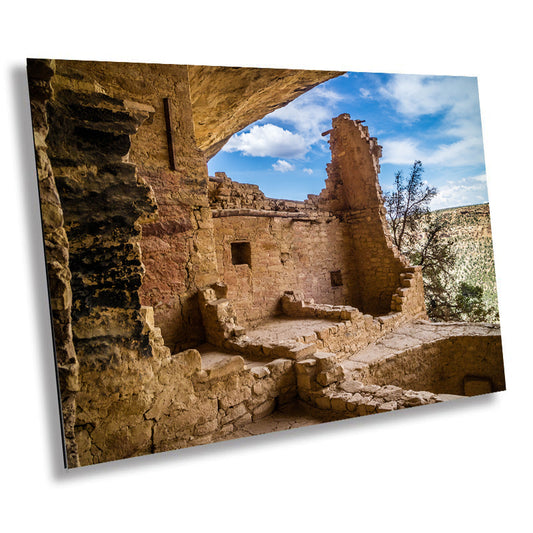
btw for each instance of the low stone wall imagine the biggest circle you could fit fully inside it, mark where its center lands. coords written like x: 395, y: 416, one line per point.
x: 174, y: 401
x: 443, y: 365
x: 237, y: 395
x: 350, y: 331
x: 288, y: 250
x: 322, y: 383
x: 414, y: 365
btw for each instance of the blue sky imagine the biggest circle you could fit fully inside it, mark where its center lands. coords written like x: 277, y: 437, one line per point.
x: 432, y: 118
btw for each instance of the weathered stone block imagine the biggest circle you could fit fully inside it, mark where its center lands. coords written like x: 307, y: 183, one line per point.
x: 306, y: 366
x: 387, y: 406
x: 326, y: 378
x: 147, y: 312
x: 234, y: 397
x: 370, y: 389
x: 260, y: 371
x: 352, y: 386
x: 323, y: 402
x: 367, y: 407
x: 204, y: 429
x: 279, y: 366
x: 389, y: 393
x: 339, y: 400
x: 304, y: 381
x: 233, y: 413
x: 258, y: 388
x: 264, y: 409
x: 222, y: 368
x: 243, y: 420
x: 326, y: 361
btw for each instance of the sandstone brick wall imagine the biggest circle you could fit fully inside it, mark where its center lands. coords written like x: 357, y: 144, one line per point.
x: 104, y: 201
x: 349, y: 331
x: 334, y: 247
x: 169, y: 401
x: 286, y: 254
x: 322, y: 383
x: 184, y: 249
x: 224, y: 193
x: 353, y: 189
x: 420, y: 363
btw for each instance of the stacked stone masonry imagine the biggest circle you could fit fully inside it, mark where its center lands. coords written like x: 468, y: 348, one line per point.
x: 188, y: 308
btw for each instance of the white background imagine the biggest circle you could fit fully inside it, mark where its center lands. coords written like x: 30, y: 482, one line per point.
x: 454, y: 467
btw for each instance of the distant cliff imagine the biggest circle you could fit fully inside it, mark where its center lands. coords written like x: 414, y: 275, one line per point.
x: 471, y: 231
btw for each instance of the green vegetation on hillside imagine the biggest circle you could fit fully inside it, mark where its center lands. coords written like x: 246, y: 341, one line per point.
x: 453, y: 247
x: 471, y: 243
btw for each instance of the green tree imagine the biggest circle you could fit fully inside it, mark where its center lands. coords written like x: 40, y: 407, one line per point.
x: 425, y: 238
x: 407, y: 205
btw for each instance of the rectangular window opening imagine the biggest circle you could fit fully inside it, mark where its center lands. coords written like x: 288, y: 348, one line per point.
x: 336, y: 278
x: 241, y: 253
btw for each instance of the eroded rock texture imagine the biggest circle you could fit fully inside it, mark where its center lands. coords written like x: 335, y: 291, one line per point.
x: 57, y: 254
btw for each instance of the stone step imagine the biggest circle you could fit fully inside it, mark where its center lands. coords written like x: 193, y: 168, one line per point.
x: 296, y: 351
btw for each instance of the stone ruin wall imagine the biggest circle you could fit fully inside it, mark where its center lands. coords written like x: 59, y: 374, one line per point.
x: 130, y: 385
x: 294, y: 246
x: 180, y: 250
x: 177, y: 245
x: 442, y: 366
x: 378, y: 263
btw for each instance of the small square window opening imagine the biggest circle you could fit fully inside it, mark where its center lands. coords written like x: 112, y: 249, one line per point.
x: 336, y: 278
x: 241, y: 253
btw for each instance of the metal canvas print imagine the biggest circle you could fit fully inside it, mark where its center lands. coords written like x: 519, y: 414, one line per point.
x: 232, y: 251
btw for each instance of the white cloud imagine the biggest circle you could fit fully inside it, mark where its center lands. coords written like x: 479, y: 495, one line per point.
x: 283, y: 166
x: 401, y: 151
x: 310, y: 114
x: 308, y: 170
x: 415, y: 96
x: 467, y: 151
x: 268, y: 140
x: 365, y: 93
x: 307, y: 116
x: 456, y: 98
x: 467, y: 191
